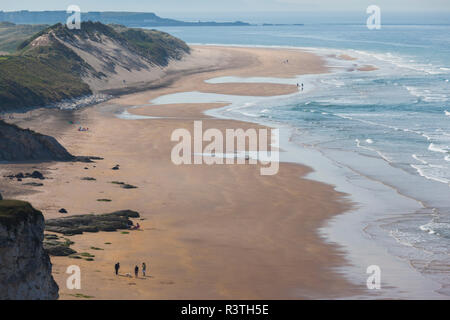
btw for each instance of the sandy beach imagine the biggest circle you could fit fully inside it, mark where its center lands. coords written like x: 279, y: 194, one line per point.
x: 208, y: 232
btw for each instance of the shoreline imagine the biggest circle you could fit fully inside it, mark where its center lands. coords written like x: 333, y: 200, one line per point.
x: 314, y: 285
x: 402, y: 280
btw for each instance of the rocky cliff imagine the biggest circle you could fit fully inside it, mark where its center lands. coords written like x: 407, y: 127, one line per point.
x: 25, y: 268
x: 18, y: 144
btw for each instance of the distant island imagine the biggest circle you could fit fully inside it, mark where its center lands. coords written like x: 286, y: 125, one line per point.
x: 129, y: 19
x: 281, y: 24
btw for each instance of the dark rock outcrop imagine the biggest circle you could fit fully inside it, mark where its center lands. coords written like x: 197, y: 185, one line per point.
x: 37, y: 175
x: 58, y: 247
x: 19, y: 176
x: 25, y: 268
x: 118, y: 220
x: 33, y: 184
x: 18, y: 144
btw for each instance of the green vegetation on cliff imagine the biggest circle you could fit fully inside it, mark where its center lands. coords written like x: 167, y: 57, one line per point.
x: 13, y: 212
x: 46, y: 69
x: 12, y: 35
x: 37, y: 80
x: 40, y: 75
x: 159, y: 47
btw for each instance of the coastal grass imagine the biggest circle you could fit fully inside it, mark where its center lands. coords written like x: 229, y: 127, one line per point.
x: 43, y: 71
x: 157, y: 46
x: 87, y: 255
x: 41, y: 75
x: 13, y: 212
x: 12, y: 35
x: 34, y: 80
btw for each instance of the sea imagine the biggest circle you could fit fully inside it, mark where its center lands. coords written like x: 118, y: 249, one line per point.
x: 382, y: 137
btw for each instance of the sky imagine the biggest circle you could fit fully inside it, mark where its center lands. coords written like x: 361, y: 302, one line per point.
x: 258, y: 11
x: 203, y: 6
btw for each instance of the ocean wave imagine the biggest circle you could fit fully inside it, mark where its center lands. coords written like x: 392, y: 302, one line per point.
x: 435, y: 227
x: 382, y: 155
x: 406, y: 239
x: 418, y: 159
x: 351, y: 117
x: 333, y: 82
x: 426, y: 94
x: 435, y: 148
x: 248, y: 114
x: 421, y: 171
x: 402, y: 62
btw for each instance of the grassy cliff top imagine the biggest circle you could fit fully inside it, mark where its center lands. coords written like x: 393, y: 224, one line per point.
x: 45, y: 70
x: 12, y: 35
x: 157, y: 46
x: 12, y: 212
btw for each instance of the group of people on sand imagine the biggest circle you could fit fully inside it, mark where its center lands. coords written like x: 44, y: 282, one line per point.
x: 298, y: 86
x: 136, y: 227
x: 136, y: 269
x: 83, y: 129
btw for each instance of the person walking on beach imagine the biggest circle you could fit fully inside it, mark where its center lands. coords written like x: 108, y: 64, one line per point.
x: 117, y: 267
x: 144, y: 268
x: 136, y: 271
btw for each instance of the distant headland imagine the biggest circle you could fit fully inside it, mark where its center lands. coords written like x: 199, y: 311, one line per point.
x: 129, y: 19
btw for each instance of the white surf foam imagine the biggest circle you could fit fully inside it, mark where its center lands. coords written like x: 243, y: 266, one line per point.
x: 382, y: 155
x: 418, y: 159
x: 435, y: 148
x: 421, y: 171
